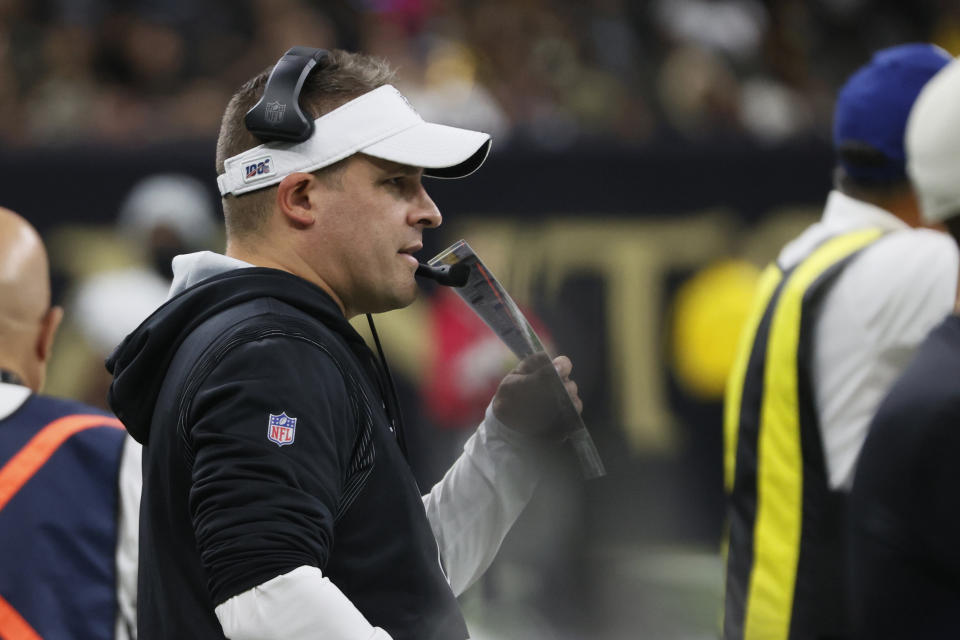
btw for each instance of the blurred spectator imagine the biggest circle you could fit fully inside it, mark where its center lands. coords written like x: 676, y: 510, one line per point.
x: 735, y: 27
x: 465, y: 367
x: 699, y: 92
x: 451, y: 93
x: 163, y: 216
x: 61, y: 104
x: 543, y: 72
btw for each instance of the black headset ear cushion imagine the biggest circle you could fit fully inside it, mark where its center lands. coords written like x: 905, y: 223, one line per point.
x: 277, y: 115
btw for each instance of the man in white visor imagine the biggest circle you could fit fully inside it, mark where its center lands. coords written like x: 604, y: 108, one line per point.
x: 277, y: 499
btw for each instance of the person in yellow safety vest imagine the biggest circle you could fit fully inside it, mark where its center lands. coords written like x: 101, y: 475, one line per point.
x: 835, y: 320
x: 69, y: 476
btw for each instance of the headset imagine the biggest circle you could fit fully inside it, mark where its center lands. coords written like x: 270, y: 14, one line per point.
x: 278, y: 117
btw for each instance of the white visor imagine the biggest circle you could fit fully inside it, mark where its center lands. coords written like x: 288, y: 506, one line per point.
x: 380, y: 123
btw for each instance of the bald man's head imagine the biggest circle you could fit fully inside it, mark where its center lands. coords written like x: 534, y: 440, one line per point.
x: 27, y: 321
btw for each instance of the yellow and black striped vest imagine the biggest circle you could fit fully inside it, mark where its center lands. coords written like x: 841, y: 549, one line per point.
x: 785, y: 560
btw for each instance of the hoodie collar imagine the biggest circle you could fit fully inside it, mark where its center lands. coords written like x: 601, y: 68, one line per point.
x: 191, y: 268
x: 206, y: 285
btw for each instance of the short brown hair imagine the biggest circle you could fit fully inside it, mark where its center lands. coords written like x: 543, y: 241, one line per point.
x: 343, y: 77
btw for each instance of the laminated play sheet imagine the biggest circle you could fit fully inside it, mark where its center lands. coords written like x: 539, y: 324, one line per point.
x: 490, y: 301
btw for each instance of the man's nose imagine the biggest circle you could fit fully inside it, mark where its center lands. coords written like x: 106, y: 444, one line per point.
x: 426, y: 213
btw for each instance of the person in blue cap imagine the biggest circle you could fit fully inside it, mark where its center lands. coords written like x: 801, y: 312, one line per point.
x: 836, y: 318
x: 904, y: 557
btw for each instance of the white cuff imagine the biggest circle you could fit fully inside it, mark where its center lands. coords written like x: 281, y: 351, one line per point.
x: 299, y: 605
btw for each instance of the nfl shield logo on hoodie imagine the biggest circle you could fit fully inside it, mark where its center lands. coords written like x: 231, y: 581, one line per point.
x: 281, y: 429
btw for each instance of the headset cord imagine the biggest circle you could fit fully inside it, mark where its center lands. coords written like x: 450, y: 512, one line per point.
x: 395, y: 414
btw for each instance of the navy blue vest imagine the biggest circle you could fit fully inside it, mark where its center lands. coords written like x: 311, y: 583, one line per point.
x: 59, y: 463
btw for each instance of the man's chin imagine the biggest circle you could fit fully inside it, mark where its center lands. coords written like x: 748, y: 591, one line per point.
x: 407, y: 297
x: 397, y: 300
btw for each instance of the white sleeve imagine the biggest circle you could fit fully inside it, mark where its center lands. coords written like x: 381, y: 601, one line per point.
x: 130, y: 483
x: 299, y: 605
x: 917, y: 270
x: 471, y: 509
x: 869, y: 325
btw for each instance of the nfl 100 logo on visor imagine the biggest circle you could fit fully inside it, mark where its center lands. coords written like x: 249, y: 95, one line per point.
x: 258, y: 168
x: 281, y: 429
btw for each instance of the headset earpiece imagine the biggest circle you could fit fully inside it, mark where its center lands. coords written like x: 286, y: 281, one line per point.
x: 277, y: 116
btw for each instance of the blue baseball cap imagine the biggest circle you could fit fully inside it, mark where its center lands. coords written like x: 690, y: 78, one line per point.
x: 873, y: 106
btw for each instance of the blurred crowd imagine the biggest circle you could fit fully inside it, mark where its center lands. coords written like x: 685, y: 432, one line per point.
x: 550, y: 73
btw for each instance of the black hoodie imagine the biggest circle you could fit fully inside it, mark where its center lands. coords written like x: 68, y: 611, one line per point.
x: 269, y: 446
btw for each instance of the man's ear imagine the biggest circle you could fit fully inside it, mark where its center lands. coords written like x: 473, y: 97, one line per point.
x: 48, y: 331
x: 294, y: 199
x: 43, y: 348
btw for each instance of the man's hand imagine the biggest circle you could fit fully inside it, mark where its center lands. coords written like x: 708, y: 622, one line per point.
x: 530, y: 397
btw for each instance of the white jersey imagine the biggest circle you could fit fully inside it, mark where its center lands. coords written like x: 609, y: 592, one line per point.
x: 871, y: 320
